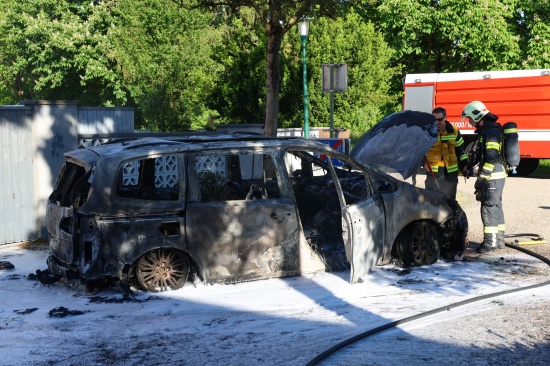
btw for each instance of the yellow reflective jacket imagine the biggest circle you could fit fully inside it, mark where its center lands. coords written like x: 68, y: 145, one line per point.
x: 448, y: 151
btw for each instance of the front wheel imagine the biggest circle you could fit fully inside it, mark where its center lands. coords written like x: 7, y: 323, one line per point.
x: 162, y: 269
x: 420, y: 245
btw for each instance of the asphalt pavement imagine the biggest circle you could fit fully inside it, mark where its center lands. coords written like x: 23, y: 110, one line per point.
x: 526, y: 211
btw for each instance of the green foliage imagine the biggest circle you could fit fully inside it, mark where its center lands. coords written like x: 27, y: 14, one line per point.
x: 55, y: 49
x: 347, y: 40
x: 213, y: 186
x: 450, y: 35
x: 179, y: 66
x: 164, y: 53
x: 6, y: 97
x: 277, y: 17
x: 543, y: 168
x: 462, y: 35
x: 147, y: 53
x: 533, y: 25
x: 240, y: 95
x: 344, y: 40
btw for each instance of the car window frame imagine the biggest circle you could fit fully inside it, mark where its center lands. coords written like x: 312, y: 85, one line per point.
x: 181, y: 181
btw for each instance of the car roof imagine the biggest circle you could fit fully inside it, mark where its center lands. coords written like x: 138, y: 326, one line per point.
x: 193, y: 142
x: 130, y: 148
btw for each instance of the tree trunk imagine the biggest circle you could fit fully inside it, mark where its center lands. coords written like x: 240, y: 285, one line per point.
x: 19, y: 87
x: 274, y: 39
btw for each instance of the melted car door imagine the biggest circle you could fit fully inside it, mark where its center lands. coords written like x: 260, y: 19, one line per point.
x: 151, y: 191
x: 363, y: 219
x: 338, y: 205
x: 239, y: 225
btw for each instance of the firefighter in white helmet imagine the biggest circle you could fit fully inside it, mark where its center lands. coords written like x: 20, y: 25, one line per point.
x: 491, y: 174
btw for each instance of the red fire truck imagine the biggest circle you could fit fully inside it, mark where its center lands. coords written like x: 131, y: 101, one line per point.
x: 521, y: 96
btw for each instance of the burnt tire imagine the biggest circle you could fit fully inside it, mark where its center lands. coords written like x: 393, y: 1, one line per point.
x: 419, y: 245
x: 454, y: 241
x: 162, y: 269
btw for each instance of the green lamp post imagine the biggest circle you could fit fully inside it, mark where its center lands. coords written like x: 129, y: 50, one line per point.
x: 303, y: 28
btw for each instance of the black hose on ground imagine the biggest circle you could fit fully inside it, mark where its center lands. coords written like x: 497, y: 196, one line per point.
x: 381, y: 328
x: 522, y: 235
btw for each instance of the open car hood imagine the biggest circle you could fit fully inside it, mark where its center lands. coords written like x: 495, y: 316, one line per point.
x: 399, y: 141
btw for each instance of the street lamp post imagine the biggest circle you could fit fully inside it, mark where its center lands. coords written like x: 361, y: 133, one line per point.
x: 303, y: 28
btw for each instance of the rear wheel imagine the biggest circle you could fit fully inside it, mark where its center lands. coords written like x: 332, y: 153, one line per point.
x: 162, y: 269
x: 526, y: 167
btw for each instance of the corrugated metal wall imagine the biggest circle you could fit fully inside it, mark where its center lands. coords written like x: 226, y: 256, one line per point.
x: 103, y: 121
x: 98, y: 120
x: 17, y: 211
x: 19, y: 218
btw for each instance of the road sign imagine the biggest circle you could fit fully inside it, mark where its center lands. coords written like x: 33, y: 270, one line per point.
x: 335, y: 78
x: 341, y: 145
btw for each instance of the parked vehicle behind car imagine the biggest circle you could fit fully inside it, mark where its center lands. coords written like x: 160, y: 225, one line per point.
x: 153, y: 213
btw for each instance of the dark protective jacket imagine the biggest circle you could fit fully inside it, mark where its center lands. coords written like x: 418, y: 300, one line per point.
x: 448, y: 151
x: 491, y: 164
x: 490, y: 182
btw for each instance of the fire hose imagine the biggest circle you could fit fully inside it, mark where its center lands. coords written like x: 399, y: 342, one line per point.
x: 394, y: 324
x: 431, y: 172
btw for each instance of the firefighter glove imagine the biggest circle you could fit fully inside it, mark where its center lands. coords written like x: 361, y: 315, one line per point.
x: 481, y: 189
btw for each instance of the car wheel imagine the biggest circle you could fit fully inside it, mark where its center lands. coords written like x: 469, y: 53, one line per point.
x: 422, y: 245
x: 526, y: 167
x: 454, y: 238
x: 162, y: 269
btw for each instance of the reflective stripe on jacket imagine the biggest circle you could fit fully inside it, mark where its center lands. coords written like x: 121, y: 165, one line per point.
x: 448, y: 151
x: 490, y: 140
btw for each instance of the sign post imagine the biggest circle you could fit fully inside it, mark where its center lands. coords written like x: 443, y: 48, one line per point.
x: 335, y: 80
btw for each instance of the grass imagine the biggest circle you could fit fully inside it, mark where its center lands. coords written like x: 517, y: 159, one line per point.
x: 544, y: 167
x: 355, y: 136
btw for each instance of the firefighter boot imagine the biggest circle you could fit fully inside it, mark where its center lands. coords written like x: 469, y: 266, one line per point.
x: 484, y: 248
x: 500, y: 240
x: 489, y: 242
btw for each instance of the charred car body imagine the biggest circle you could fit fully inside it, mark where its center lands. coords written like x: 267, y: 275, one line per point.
x: 229, y: 208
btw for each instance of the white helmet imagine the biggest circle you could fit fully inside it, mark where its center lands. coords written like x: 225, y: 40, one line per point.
x: 476, y: 110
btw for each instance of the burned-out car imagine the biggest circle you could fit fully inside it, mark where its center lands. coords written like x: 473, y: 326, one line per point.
x: 154, y: 212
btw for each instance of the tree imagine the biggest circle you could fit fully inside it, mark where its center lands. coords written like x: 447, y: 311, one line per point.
x: 451, y: 35
x: 533, y: 23
x: 277, y: 18
x: 58, y: 50
x: 7, y: 96
x: 164, y: 53
x: 351, y: 40
x: 239, y: 97
x: 150, y: 54
x: 448, y: 35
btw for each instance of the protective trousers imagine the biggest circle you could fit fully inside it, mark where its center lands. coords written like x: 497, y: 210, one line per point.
x: 492, y: 214
x: 444, y: 182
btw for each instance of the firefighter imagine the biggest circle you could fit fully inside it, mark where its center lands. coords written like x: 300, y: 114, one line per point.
x: 491, y: 173
x: 446, y: 157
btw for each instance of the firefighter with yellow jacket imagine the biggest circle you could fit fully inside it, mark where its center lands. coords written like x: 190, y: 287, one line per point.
x: 446, y: 157
x: 491, y: 173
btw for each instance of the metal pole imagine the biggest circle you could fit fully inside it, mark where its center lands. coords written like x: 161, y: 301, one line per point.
x: 331, y: 101
x: 306, y: 117
x: 331, y: 114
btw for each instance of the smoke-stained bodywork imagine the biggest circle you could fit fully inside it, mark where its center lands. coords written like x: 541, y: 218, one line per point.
x: 228, y: 208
